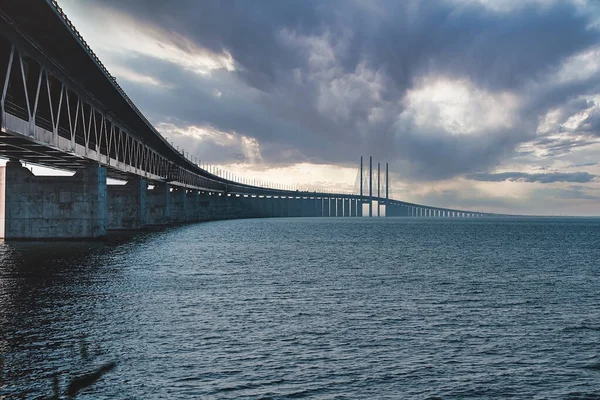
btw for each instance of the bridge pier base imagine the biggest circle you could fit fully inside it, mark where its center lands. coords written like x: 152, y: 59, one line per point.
x: 178, y: 205
x: 52, y: 207
x: 126, y: 205
x: 158, y: 206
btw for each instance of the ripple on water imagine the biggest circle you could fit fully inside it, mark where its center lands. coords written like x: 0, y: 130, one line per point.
x: 310, y: 308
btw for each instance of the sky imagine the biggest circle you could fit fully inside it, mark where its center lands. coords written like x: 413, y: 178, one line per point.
x: 488, y: 105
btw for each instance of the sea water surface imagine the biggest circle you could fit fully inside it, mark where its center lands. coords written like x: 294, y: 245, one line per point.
x: 322, y: 308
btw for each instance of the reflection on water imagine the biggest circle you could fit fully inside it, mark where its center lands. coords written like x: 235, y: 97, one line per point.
x: 318, y: 308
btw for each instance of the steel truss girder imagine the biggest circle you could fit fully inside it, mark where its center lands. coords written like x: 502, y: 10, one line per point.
x: 90, y: 134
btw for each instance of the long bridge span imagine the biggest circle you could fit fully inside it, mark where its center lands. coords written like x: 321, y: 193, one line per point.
x: 61, y: 108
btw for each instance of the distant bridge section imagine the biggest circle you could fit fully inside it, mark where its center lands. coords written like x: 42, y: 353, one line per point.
x: 61, y: 108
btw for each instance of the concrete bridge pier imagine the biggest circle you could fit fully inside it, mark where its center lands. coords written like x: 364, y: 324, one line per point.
x: 311, y: 210
x: 339, y: 208
x: 346, y: 207
x: 203, y: 204
x: 307, y: 207
x: 297, y: 206
x: 275, y: 206
x: 178, y: 205
x: 291, y: 207
x: 192, y: 212
x: 52, y: 207
x: 126, y: 205
x: 256, y: 205
x: 158, y: 206
x: 282, y: 206
x: 251, y: 205
x: 270, y: 206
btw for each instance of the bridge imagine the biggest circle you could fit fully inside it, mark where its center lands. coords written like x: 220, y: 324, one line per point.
x: 61, y: 108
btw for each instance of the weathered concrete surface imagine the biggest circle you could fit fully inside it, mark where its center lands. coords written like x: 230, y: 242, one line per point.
x: 178, y: 205
x: 126, y: 205
x: 83, y: 206
x: 158, y: 205
x: 192, y: 212
x: 52, y: 207
x: 397, y: 211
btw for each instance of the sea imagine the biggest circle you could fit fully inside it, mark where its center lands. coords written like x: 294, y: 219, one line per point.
x: 319, y: 308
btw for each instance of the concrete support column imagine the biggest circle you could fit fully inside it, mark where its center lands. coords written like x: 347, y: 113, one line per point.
x: 203, y: 206
x: 52, y: 207
x: 346, y: 207
x: 359, y: 211
x: 308, y: 207
x: 178, y: 204
x: 269, y: 206
x: 284, y: 204
x: 126, y: 205
x: 276, y: 206
x: 292, y: 208
x: 287, y: 207
x: 192, y: 211
x: 339, y: 208
x: 158, y: 205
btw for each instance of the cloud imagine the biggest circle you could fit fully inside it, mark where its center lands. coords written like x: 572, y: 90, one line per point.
x: 337, y: 75
x: 551, y: 177
x: 203, y: 142
x: 439, y: 89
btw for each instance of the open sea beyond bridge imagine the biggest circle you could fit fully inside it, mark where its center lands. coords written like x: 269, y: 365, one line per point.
x: 322, y: 308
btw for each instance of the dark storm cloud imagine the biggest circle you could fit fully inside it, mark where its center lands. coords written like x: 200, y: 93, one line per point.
x: 591, y: 124
x: 406, y: 38
x: 496, y: 50
x: 553, y: 177
x: 298, y: 112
